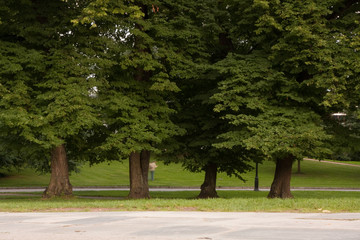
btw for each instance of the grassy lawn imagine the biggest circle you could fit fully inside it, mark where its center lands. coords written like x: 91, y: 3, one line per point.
x: 234, y: 201
x: 314, y: 174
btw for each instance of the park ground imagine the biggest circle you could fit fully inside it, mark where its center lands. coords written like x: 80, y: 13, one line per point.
x: 313, y: 174
x: 316, y: 175
x: 330, y: 211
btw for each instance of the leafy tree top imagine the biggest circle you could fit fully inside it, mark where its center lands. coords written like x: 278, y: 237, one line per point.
x: 46, y: 77
x: 279, y: 81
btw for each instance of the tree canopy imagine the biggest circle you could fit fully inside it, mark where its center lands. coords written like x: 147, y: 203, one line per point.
x: 46, y: 69
x: 215, y: 84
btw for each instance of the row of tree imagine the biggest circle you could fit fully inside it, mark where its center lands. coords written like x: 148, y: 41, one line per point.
x: 214, y: 85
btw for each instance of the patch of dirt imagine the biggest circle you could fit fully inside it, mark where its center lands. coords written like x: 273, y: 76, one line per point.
x: 78, y: 210
x: 187, y: 208
x: 98, y: 197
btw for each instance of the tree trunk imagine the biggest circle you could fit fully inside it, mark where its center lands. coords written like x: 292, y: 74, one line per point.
x: 59, y: 181
x: 208, y: 188
x: 139, y: 167
x: 139, y: 162
x: 280, y: 188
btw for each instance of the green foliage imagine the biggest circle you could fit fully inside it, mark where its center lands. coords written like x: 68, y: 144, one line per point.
x: 345, y: 129
x: 194, y: 149
x: 276, y: 88
x: 46, y: 79
x: 98, y: 11
x: 225, y: 82
x: 156, y: 52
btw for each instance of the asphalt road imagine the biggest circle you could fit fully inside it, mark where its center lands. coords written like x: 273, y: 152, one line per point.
x: 178, y: 225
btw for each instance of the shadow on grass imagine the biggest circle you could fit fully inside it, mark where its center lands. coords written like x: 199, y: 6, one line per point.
x: 325, y: 194
x: 171, y: 195
x: 16, y: 196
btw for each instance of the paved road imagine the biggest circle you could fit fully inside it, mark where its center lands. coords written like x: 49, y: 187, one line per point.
x: 178, y: 226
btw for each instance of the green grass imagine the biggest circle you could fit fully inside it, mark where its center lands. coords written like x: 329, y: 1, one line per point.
x: 230, y: 201
x: 314, y: 174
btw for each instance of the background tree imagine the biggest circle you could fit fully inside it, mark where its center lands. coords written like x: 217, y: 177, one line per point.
x: 343, y: 79
x: 345, y: 129
x: 195, y: 148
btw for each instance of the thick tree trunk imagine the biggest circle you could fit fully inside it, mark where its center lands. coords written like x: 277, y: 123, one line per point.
x: 280, y: 188
x: 59, y: 181
x: 208, y: 188
x: 139, y: 167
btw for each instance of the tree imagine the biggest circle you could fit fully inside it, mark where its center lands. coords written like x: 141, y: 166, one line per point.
x: 343, y: 79
x: 158, y: 45
x: 194, y: 149
x: 8, y: 158
x: 278, y: 93
x: 45, y: 85
x: 345, y: 129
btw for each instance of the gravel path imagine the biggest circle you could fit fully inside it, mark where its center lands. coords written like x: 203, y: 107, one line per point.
x: 338, y: 163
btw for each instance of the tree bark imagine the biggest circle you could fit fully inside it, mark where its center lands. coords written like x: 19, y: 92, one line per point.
x: 59, y: 181
x: 139, y: 167
x: 208, y: 188
x: 280, y: 187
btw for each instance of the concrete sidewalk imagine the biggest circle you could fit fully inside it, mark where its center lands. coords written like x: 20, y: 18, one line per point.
x: 179, y: 226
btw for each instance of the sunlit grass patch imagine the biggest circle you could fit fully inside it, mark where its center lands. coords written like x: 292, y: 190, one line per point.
x: 229, y: 201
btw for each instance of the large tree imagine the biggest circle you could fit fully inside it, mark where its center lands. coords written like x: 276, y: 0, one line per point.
x: 196, y: 149
x: 280, y: 91
x: 46, y: 83
x: 158, y: 48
